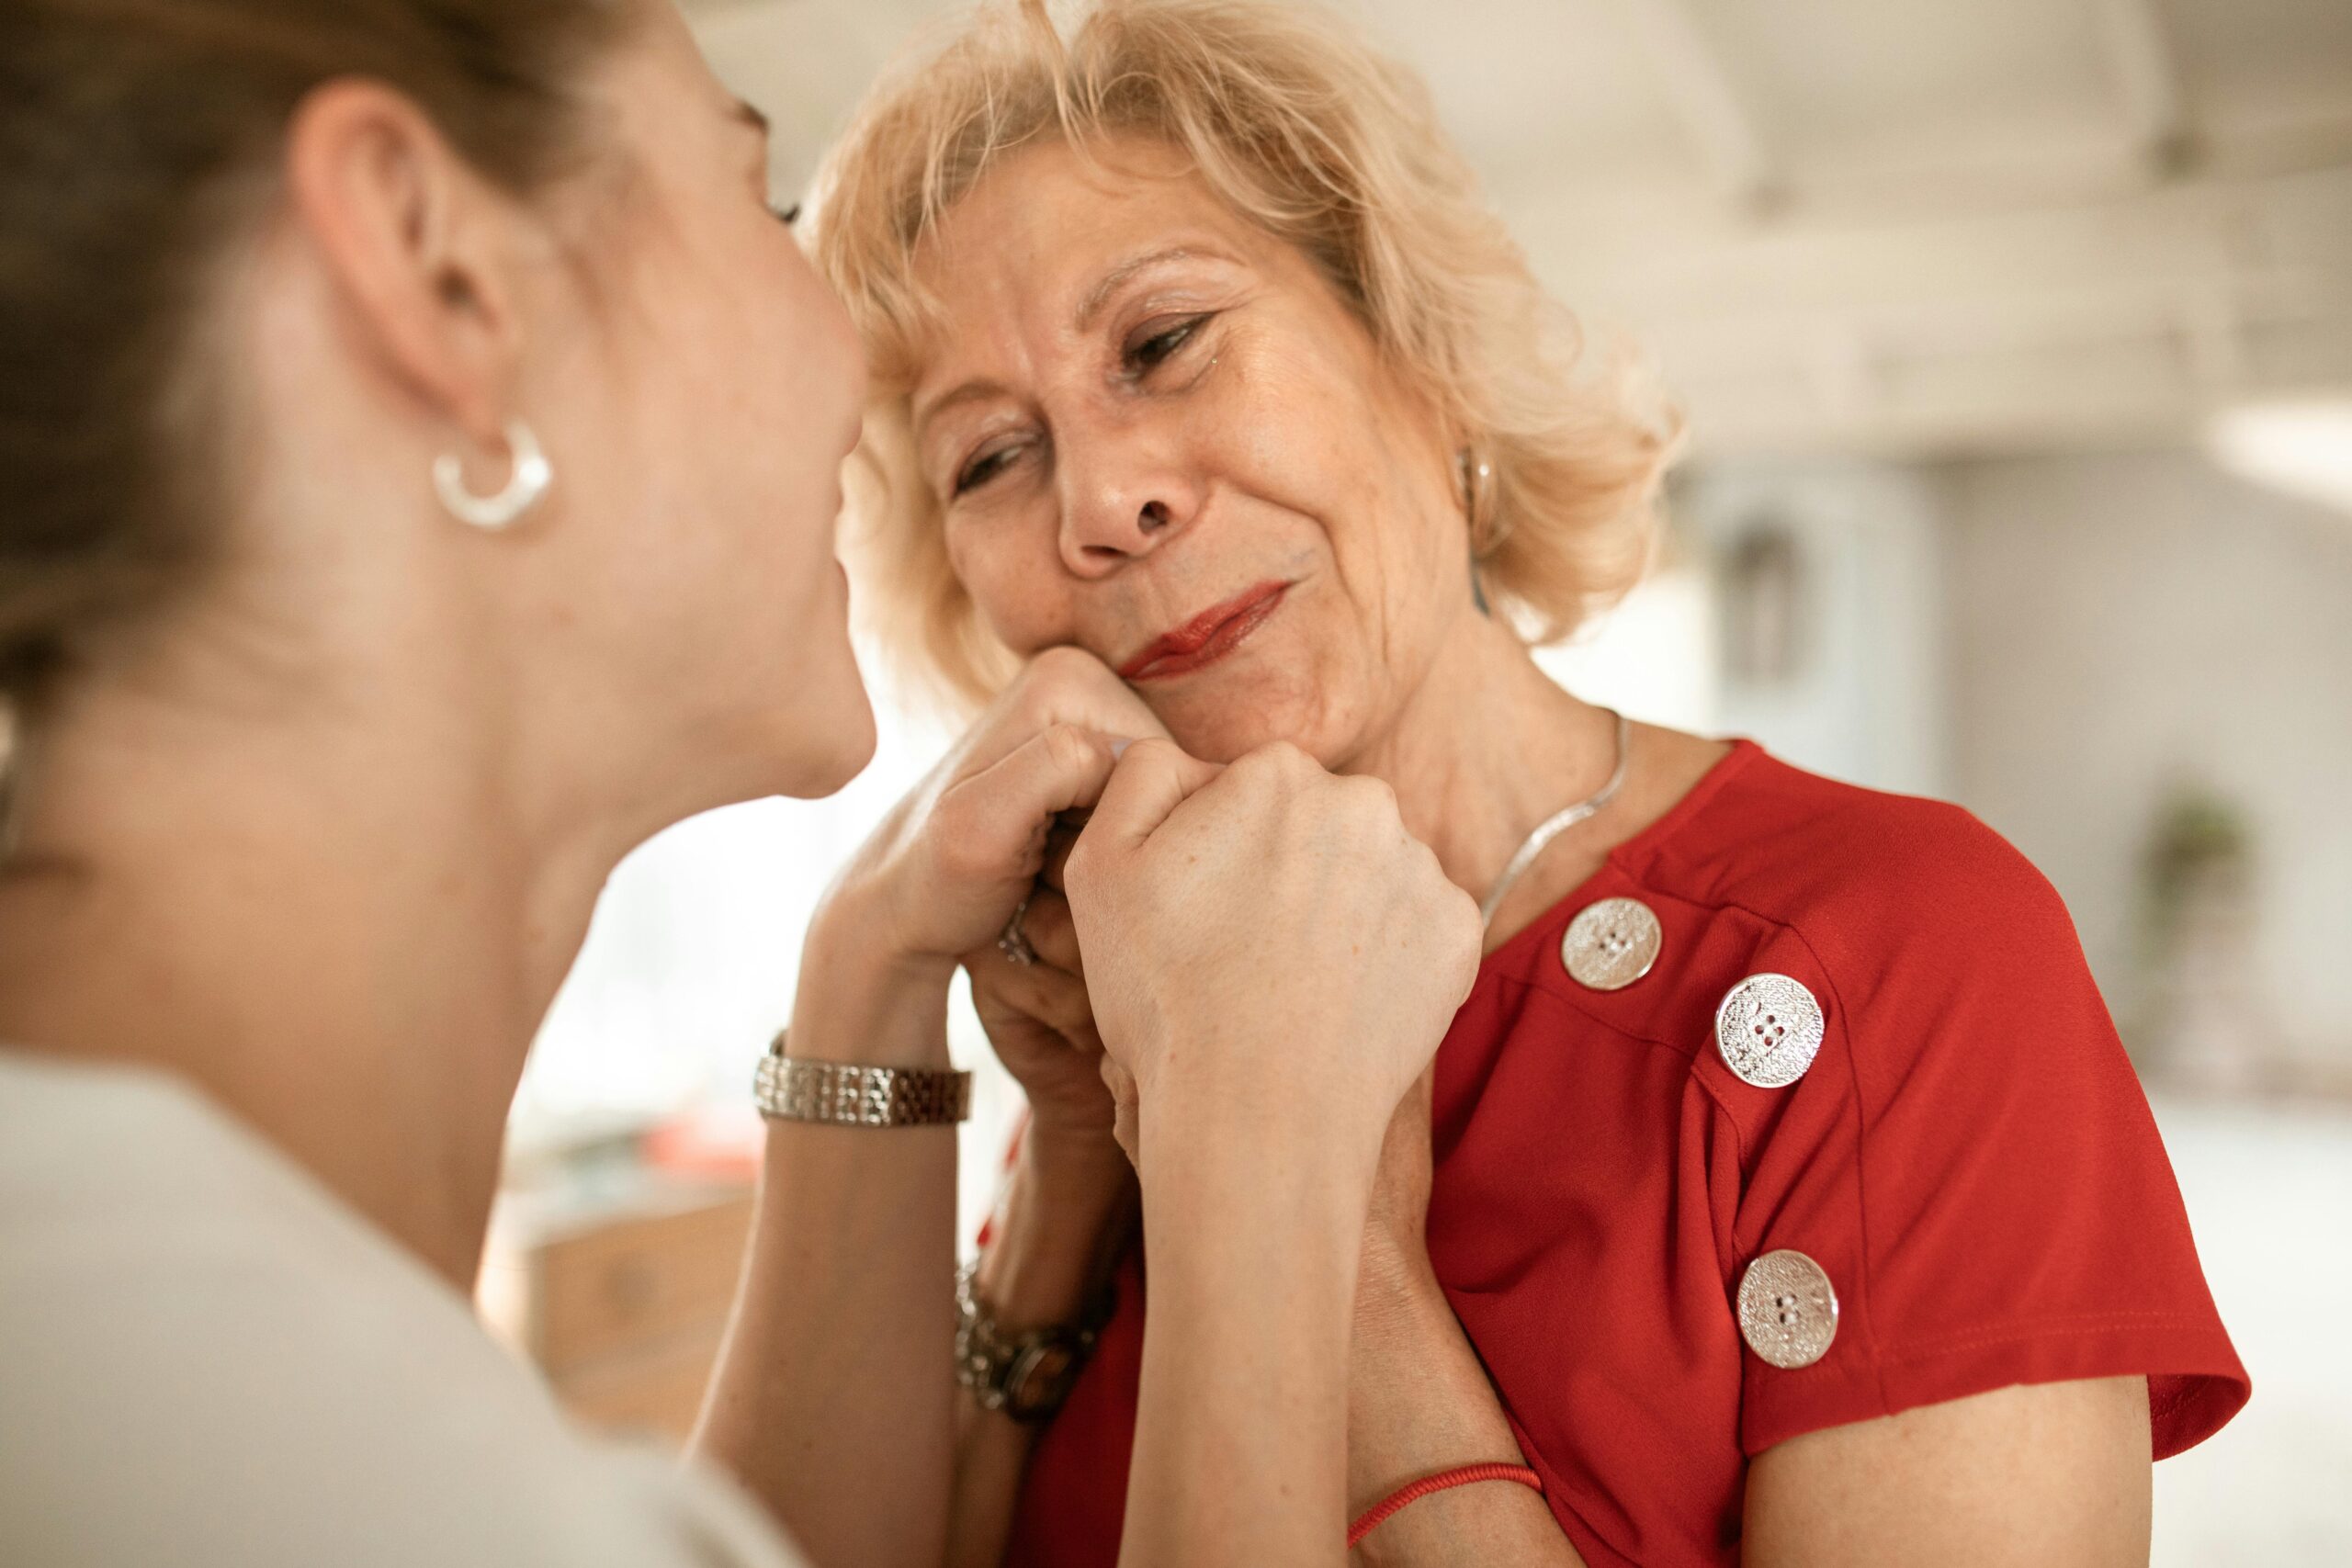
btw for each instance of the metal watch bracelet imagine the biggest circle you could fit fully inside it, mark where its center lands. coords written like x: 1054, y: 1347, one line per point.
x: 844, y: 1094
x: 1028, y: 1377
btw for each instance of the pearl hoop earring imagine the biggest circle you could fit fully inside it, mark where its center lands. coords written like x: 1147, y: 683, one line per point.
x: 524, y: 487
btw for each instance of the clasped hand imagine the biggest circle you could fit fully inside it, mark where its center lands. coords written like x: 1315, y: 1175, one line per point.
x: 1259, y: 954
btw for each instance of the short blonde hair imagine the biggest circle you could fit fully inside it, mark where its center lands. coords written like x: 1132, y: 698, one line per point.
x: 1325, y: 143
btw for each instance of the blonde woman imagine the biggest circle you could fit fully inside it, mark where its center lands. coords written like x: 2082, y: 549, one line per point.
x: 419, y: 451
x: 1788, y: 1197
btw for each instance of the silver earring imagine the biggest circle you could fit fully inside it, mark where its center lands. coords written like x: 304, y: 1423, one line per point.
x: 529, y: 482
x: 1475, y: 473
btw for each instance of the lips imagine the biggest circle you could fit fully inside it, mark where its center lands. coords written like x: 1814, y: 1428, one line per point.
x: 1207, y: 636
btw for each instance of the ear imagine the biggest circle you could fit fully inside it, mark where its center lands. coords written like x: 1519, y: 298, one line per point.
x: 417, y: 247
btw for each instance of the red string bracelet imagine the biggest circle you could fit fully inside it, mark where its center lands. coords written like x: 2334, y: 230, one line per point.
x: 1443, y: 1481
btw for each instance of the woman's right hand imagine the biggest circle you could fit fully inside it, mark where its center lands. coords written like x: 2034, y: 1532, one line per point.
x: 1270, y: 952
x: 944, y: 871
x: 1272, y: 960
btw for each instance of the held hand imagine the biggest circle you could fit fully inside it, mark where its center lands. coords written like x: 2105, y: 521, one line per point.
x: 946, y: 868
x: 1270, y: 952
x: 1041, y: 1022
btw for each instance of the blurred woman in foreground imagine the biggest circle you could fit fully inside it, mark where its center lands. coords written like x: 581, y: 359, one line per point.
x: 418, y: 460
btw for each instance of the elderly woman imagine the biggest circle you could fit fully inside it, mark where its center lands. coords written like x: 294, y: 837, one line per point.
x: 1783, y: 1172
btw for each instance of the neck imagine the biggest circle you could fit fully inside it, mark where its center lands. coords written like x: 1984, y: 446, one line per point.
x: 334, y: 923
x: 1485, y: 749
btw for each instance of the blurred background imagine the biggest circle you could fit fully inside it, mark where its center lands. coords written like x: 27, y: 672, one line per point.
x: 2016, y: 337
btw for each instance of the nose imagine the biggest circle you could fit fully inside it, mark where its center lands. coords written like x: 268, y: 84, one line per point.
x: 1123, y: 496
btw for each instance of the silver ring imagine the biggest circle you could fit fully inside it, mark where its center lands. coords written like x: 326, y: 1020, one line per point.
x: 1012, y: 943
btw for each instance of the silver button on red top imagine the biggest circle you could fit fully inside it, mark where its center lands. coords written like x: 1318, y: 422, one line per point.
x: 1769, y: 1029
x: 1610, y: 943
x: 1787, y: 1312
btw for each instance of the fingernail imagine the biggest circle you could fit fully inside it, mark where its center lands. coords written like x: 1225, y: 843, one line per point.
x: 1119, y: 745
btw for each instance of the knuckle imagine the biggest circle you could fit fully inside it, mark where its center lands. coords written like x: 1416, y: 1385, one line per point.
x: 954, y: 837
x: 1030, y: 712
x: 1030, y: 701
x: 1061, y: 664
x: 1151, y: 750
x: 1071, y: 748
x: 1373, y: 796
x: 1366, y: 813
x: 1465, y: 914
x: 1020, y: 695
x: 1260, y: 758
x: 1469, y: 929
x: 1275, y: 763
x: 961, y: 858
x: 996, y: 986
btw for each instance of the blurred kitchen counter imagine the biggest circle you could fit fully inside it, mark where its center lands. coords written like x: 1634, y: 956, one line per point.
x: 612, y: 1267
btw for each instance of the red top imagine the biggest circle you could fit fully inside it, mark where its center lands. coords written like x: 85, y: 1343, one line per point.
x: 1968, y: 1159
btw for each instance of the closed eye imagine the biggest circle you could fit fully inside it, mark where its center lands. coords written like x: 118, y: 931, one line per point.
x: 1147, y: 354
x: 984, y: 467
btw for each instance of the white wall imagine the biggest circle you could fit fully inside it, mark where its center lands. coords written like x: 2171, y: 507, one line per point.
x: 1865, y: 699
x: 2120, y: 620
x: 693, y: 958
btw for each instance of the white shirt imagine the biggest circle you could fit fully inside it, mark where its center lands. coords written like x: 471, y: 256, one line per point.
x: 207, y: 1359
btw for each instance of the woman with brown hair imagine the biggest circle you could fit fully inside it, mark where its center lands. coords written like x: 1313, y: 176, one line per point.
x: 419, y: 451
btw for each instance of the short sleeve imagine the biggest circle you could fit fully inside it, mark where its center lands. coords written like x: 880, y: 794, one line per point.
x: 1970, y: 1159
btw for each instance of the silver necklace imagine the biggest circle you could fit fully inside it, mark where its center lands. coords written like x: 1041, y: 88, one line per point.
x: 1559, y: 822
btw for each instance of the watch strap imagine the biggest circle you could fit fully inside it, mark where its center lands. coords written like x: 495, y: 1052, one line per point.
x: 1027, y: 1377
x: 847, y: 1095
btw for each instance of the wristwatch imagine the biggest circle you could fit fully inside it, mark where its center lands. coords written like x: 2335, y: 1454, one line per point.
x: 1027, y: 1378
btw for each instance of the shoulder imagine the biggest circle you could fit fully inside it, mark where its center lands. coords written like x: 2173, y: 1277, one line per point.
x: 1964, y: 1154
x: 1940, y: 962
x: 1861, y: 877
x: 208, y: 1358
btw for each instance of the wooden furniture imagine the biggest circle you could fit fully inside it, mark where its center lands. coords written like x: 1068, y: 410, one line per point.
x: 618, y: 1289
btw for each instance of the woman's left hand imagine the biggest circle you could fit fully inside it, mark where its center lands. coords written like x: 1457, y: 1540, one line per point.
x: 1040, y: 1021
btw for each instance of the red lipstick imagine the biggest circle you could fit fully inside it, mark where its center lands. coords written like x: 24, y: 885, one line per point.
x: 1207, y: 636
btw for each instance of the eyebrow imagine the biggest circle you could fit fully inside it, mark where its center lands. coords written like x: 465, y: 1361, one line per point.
x: 1109, y: 282
x: 970, y: 391
x: 1088, y: 309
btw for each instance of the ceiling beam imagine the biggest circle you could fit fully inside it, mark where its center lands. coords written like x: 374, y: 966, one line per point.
x: 1702, y: 96
x: 2140, y: 57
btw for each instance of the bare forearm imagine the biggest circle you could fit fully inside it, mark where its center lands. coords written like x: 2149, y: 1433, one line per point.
x: 1064, y: 1212
x: 991, y: 1456
x: 834, y: 1399
x: 1241, y: 1444
x: 1420, y: 1402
